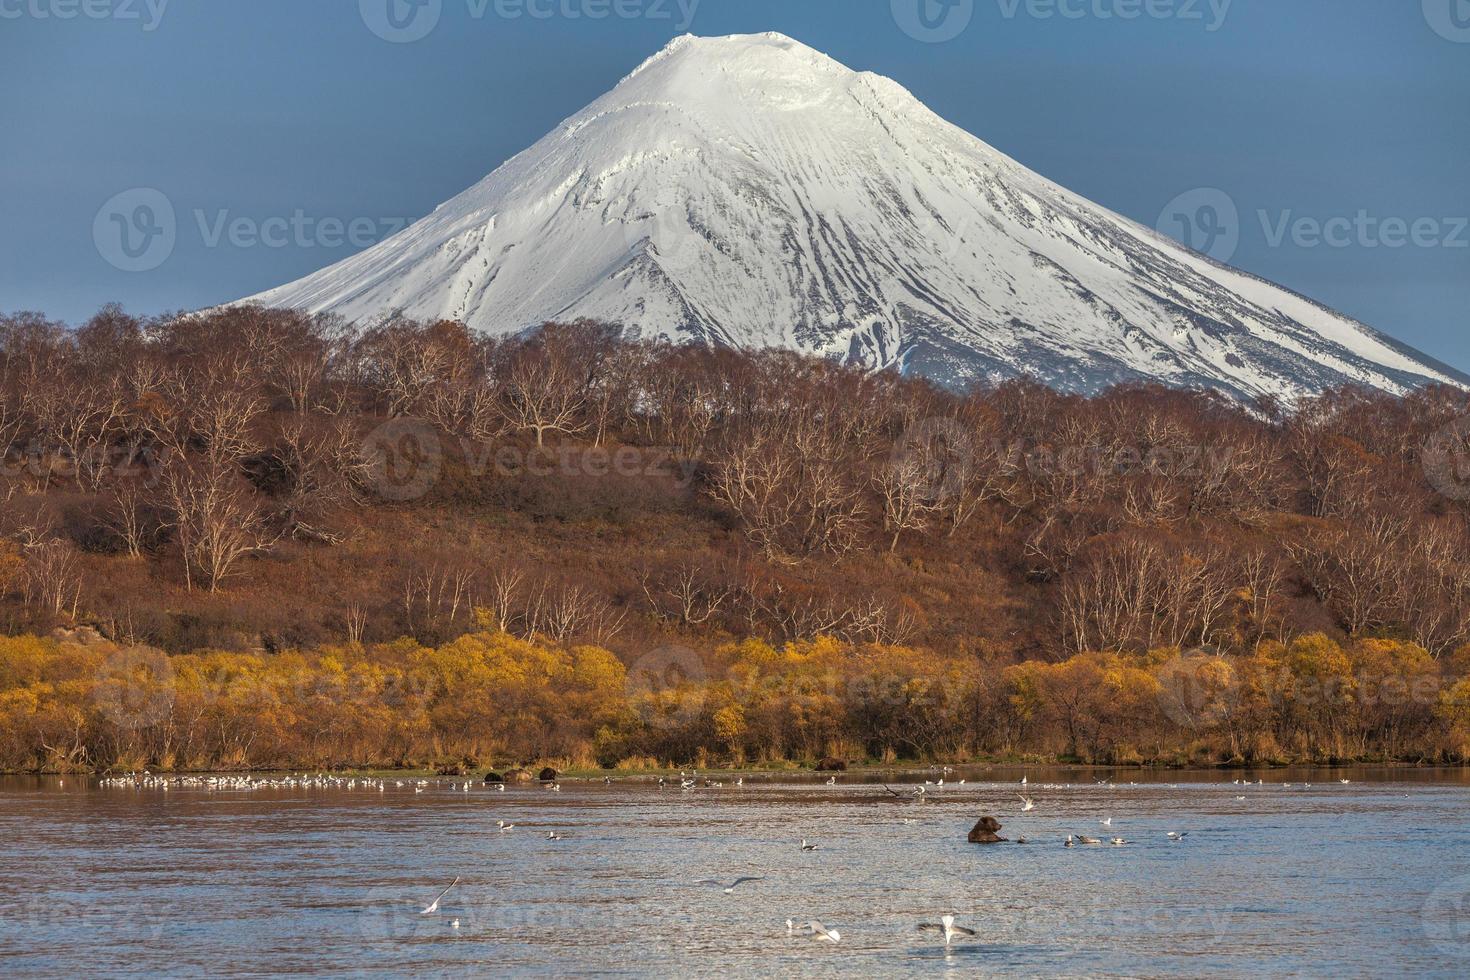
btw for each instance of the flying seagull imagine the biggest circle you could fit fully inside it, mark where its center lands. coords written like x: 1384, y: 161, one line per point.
x: 434, y: 905
x: 727, y: 889
x: 1026, y: 803
x: 946, y: 925
x: 1106, y: 822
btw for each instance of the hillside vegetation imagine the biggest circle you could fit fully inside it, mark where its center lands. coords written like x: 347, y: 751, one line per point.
x: 256, y: 538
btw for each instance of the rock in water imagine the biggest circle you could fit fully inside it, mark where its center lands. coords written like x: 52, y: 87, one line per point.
x: 984, y: 831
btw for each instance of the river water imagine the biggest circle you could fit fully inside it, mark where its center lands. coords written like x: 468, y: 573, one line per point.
x: 1299, y: 875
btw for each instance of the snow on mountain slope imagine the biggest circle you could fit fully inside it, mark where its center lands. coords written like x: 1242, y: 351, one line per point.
x: 751, y: 191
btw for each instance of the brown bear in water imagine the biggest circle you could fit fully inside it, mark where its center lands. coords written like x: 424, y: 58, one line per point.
x: 830, y: 764
x: 984, y: 831
x: 548, y: 775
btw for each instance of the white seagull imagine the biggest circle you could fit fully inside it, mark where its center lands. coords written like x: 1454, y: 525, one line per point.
x: 1106, y: 821
x: 1176, y: 835
x: 1026, y: 803
x: 727, y: 889
x: 807, y: 847
x: 816, y: 930
x: 504, y: 826
x: 946, y: 925
x: 433, y: 906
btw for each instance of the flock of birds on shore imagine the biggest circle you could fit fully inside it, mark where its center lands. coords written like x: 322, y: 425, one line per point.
x: 946, y: 927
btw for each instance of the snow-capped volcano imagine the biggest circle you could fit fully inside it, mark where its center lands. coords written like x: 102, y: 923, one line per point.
x: 751, y: 191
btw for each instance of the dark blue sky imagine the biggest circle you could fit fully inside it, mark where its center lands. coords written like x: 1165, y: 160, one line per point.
x: 1351, y: 113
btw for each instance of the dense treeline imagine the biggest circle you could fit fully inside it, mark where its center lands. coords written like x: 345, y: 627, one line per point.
x: 262, y: 484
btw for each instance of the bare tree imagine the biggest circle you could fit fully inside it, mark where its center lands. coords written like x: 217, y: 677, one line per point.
x: 215, y: 522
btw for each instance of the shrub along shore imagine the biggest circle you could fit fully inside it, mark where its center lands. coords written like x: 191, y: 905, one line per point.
x: 487, y: 697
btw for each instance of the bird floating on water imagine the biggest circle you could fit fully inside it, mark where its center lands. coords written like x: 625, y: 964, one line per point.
x: 814, y: 929
x: 1106, y: 821
x: 504, y: 826
x: 433, y: 906
x: 1117, y: 841
x: 946, y: 925
x: 807, y: 847
x: 1176, y: 835
x: 553, y: 835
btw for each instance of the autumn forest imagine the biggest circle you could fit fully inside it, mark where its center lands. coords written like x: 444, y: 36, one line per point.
x: 257, y: 539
